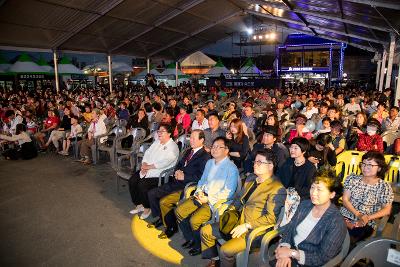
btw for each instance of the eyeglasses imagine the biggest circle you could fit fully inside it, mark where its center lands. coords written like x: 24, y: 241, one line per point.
x: 259, y: 162
x: 218, y: 147
x: 161, y: 131
x: 364, y: 165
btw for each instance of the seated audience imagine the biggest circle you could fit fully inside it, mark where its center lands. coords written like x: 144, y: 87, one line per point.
x: 392, y: 122
x: 63, y: 129
x: 338, y: 141
x: 298, y: 171
x: 213, y: 131
x: 50, y: 124
x: 370, y: 140
x: 76, y: 129
x: 300, y: 130
x: 200, y: 123
x: 366, y: 197
x: 161, y: 155
x: 238, y: 142
x: 189, y: 169
x: 26, y: 148
x: 322, y: 153
x: 257, y: 204
x: 359, y: 126
x: 217, y: 185
x: 316, y: 232
x: 183, y: 119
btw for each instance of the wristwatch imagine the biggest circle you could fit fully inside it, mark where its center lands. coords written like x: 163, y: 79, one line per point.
x: 293, y: 253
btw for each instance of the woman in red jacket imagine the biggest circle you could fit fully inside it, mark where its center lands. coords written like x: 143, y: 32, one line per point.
x: 371, y: 140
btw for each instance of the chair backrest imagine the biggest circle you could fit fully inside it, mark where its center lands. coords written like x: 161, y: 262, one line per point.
x: 118, y: 131
x: 396, y: 228
x: 183, y: 141
x: 389, y: 136
x: 154, y: 127
x: 138, y: 134
x: 393, y: 174
x: 375, y: 250
x: 342, y: 254
x: 224, y: 125
x: 348, y: 162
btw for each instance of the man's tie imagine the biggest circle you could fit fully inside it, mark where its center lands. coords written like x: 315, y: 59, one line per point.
x: 189, y: 157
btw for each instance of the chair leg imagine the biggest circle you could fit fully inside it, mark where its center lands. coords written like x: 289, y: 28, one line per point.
x: 118, y: 184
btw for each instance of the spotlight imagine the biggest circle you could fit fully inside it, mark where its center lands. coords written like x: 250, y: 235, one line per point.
x: 267, y: 36
x: 249, y: 31
x: 272, y: 35
x: 260, y: 37
x: 254, y: 37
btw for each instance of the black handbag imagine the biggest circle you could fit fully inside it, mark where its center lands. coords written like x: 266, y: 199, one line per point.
x: 228, y: 221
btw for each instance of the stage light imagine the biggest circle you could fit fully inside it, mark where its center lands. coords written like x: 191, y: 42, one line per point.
x: 267, y: 36
x: 249, y: 31
x: 254, y: 37
x: 260, y: 37
x: 272, y: 35
x: 233, y: 71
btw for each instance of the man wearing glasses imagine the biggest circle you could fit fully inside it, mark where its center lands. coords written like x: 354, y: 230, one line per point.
x: 216, y: 186
x: 258, y: 204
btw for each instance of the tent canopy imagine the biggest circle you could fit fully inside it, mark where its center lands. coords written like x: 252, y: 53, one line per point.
x: 249, y: 68
x: 197, y: 59
x: 173, y: 29
x: 25, y: 64
x: 218, y: 69
x: 43, y: 63
x: 116, y: 66
x: 66, y: 67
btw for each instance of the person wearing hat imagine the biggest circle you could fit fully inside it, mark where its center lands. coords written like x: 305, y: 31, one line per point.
x: 371, y: 140
x: 211, y: 107
x: 338, y: 140
x: 268, y: 141
x: 183, y: 119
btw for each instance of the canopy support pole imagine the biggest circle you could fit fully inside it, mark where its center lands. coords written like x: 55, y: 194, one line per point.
x: 378, y: 72
x: 176, y: 73
x: 383, y: 66
x: 56, y: 71
x: 110, y: 80
x: 397, y: 92
x: 148, y: 65
x: 390, y: 61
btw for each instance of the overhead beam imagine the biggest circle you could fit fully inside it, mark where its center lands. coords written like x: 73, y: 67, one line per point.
x: 320, y: 15
x: 299, y: 15
x: 317, y: 27
x: 161, y: 21
x: 208, y: 26
x: 92, y: 17
x: 388, y: 4
x: 363, y: 47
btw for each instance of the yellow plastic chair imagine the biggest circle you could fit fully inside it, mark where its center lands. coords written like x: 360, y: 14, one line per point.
x: 393, y: 174
x: 348, y: 162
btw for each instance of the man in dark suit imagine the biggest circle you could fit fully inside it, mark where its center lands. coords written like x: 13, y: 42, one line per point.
x: 164, y: 198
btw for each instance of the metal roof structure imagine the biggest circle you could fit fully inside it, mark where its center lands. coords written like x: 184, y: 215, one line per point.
x: 175, y: 28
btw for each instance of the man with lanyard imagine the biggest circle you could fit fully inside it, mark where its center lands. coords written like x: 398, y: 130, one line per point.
x: 216, y: 186
x: 189, y: 169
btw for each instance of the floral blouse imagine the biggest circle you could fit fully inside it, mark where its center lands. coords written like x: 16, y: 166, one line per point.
x: 366, y: 198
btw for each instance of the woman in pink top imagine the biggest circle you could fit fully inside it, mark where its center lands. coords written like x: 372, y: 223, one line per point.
x: 300, y: 130
x: 183, y: 118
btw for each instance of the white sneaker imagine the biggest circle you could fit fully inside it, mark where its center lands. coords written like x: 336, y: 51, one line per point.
x: 136, y: 210
x: 144, y: 216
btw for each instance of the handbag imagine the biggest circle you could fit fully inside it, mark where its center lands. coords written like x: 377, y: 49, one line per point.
x: 228, y: 221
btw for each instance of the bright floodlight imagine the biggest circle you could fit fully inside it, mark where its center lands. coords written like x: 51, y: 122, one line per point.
x: 267, y: 36
x: 249, y: 31
x: 260, y: 37
x: 233, y: 71
x: 272, y: 35
x: 254, y: 37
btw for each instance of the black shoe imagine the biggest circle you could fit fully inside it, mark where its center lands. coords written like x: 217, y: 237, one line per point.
x: 188, y: 244
x: 168, y: 233
x: 157, y: 223
x: 194, y: 251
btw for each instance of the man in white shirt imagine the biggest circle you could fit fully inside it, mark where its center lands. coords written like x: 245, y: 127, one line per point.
x: 352, y: 107
x: 392, y: 122
x: 161, y: 155
x: 14, y: 119
x: 309, y: 110
x: 96, y: 128
x: 200, y: 123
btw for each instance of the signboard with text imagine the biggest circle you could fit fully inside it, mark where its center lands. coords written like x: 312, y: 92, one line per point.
x: 242, y: 83
x: 304, y: 69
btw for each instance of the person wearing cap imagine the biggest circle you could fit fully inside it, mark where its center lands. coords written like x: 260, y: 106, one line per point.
x: 300, y: 130
x: 211, y: 107
x: 183, y: 119
x: 269, y: 140
x: 338, y: 140
x: 229, y: 111
x: 371, y: 140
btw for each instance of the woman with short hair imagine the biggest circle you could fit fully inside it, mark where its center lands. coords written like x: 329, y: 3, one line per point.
x: 367, y: 196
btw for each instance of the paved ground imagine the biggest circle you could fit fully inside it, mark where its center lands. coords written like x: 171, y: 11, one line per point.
x: 55, y: 212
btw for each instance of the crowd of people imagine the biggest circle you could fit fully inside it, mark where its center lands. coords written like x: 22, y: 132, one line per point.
x: 250, y: 149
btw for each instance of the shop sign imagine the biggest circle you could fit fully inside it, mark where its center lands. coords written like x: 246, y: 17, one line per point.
x: 293, y: 69
x: 31, y: 76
